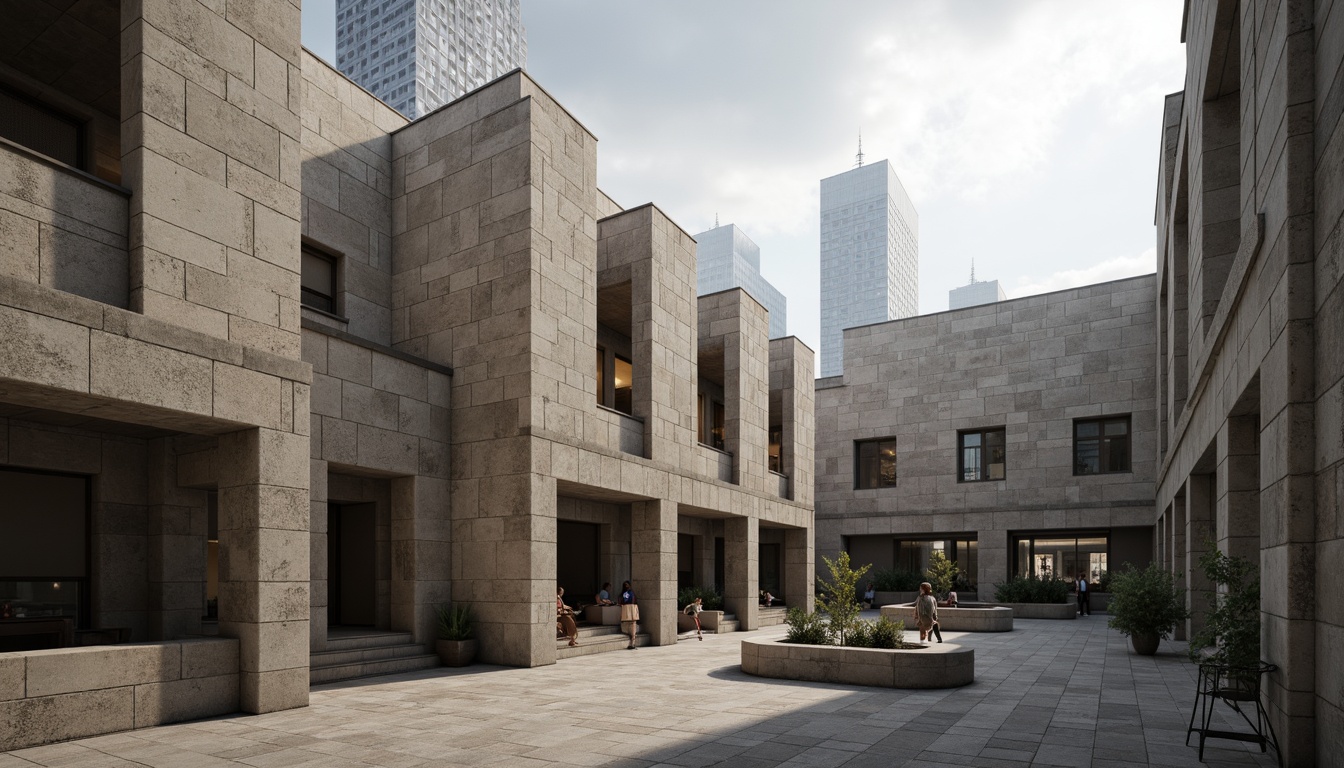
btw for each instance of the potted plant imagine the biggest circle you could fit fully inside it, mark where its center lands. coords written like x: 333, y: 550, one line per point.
x: 456, y: 647
x: 1145, y: 606
x: 1231, y: 628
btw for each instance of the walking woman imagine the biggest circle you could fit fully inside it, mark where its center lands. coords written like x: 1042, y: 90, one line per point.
x: 926, y: 613
x: 629, y: 612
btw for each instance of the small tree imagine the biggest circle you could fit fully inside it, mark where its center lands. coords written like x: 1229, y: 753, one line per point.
x: 942, y: 573
x: 838, y: 598
x: 1232, y: 627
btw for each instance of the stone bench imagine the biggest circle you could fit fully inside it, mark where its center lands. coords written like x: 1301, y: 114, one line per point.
x: 941, y: 665
x: 960, y: 619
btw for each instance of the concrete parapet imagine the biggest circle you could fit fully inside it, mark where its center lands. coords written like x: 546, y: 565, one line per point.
x: 979, y: 619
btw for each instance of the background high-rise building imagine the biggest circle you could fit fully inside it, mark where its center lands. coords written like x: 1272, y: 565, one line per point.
x: 418, y: 55
x: 869, y: 255
x: 727, y: 258
x: 975, y: 293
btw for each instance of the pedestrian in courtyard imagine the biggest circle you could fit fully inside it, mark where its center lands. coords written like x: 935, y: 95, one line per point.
x: 603, y: 596
x: 926, y: 613
x: 869, y: 596
x: 564, y: 619
x: 693, y: 610
x: 629, y: 612
x: 1084, y: 607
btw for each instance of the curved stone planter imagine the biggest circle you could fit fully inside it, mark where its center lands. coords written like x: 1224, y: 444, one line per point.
x: 1042, y: 610
x: 989, y: 618
x: 892, y: 598
x: 941, y: 665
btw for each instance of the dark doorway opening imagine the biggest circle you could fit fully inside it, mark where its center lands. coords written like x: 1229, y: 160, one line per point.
x: 719, y: 580
x: 685, y: 561
x: 350, y: 565
x: 578, y: 561
x: 770, y: 563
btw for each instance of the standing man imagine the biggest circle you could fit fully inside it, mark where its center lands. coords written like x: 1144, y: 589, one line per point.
x: 1084, y: 608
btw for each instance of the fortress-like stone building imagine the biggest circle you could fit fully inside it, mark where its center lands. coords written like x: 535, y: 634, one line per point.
x: 281, y: 371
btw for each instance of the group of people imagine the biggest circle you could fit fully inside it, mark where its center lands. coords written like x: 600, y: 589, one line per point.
x: 567, y: 626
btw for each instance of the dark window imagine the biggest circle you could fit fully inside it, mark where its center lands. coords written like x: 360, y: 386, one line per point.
x: 601, y: 376
x: 318, y: 279
x: 1101, y: 446
x: 42, y: 129
x: 717, y: 421
x: 981, y: 455
x: 875, y: 463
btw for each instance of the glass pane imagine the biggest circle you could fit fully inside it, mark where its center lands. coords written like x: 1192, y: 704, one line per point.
x: 1024, y: 557
x: 1117, y: 454
x: 994, y: 438
x: 970, y: 440
x: 1087, y: 457
x: 1085, y: 429
x: 970, y: 464
x: 601, y: 371
x: 317, y: 274
x: 623, y: 376
x: 716, y: 433
x: 1117, y: 427
x: 887, y: 463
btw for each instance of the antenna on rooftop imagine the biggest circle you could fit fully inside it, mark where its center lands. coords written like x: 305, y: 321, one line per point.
x: 858, y: 159
x: 972, y: 271
x: 716, y: 219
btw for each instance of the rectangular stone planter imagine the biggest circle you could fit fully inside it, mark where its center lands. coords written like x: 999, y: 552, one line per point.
x: 988, y: 618
x: 1099, y: 601
x: 602, y: 614
x: 942, y: 665
x: 1042, y: 610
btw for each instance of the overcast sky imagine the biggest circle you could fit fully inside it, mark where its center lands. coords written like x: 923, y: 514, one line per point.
x: 1026, y: 133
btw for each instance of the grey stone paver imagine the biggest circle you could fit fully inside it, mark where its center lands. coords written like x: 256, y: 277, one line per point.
x: 1048, y: 694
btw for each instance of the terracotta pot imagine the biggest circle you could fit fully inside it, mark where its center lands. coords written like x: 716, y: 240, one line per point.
x: 456, y: 653
x: 1145, y: 644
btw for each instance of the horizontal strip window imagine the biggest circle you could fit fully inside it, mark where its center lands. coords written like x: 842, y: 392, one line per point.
x: 37, y: 126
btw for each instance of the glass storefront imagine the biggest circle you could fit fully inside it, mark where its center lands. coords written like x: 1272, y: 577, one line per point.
x: 913, y: 555
x: 1062, y: 555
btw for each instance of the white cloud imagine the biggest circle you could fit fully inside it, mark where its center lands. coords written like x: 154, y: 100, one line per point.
x: 1111, y: 269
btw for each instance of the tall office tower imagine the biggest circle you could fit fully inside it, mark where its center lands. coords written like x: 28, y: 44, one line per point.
x: 975, y: 293
x: 418, y: 55
x: 869, y: 255
x: 727, y: 258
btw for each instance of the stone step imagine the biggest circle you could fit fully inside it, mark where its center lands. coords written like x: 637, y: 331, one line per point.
x: 371, y: 639
x: 357, y: 655
x: 726, y: 626
x: 770, y: 617
x: 598, y: 644
x: 334, y: 674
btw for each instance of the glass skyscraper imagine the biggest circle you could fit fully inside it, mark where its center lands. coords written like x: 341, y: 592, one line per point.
x: 726, y: 258
x: 975, y: 293
x: 869, y: 255
x: 418, y: 55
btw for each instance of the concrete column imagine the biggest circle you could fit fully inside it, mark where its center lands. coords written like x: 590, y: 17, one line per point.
x: 263, y: 564
x: 741, y: 569
x: 1178, y: 550
x: 994, y: 561
x: 1238, y: 512
x: 176, y: 548
x: 799, y: 570
x: 1199, y: 536
x: 317, y: 555
x: 653, y: 563
x: 421, y: 529
x: 704, y: 561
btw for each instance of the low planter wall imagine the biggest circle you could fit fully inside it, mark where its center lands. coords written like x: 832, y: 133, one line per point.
x: 891, y: 598
x: 70, y: 693
x: 989, y: 618
x: 1042, y: 610
x: 941, y: 665
x: 1099, y: 601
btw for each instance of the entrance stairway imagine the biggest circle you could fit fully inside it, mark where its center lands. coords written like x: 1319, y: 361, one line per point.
x: 598, y: 639
x: 770, y: 617
x: 352, y: 654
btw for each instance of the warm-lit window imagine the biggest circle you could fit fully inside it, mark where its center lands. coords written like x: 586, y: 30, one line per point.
x: 775, y: 450
x: 981, y: 455
x: 623, y: 378
x: 1101, y: 446
x: 318, y: 280
x: 875, y: 463
x: 1066, y: 555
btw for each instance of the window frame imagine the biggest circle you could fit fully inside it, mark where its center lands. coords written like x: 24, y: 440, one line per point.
x: 1103, y: 445
x: 982, y: 449
x: 309, y: 248
x: 79, y: 123
x: 878, y: 477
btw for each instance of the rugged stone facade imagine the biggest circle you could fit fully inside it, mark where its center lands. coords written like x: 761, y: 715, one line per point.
x: 1032, y: 366
x: 421, y: 438
x: 1251, y: 322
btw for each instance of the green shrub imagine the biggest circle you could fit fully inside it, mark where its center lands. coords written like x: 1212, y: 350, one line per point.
x: 942, y: 573
x: 806, y: 628
x: 860, y: 635
x: 1232, y: 627
x: 891, y: 580
x: 456, y: 622
x: 1145, y: 602
x: 839, y: 600
x: 888, y: 634
x: 1032, y: 589
x: 1103, y: 582
x: 711, y: 598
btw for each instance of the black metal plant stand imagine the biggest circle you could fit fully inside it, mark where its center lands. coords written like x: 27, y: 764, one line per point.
x: 1239, y: 688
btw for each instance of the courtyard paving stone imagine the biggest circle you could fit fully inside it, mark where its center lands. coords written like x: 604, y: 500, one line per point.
x: 1063, y: 693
